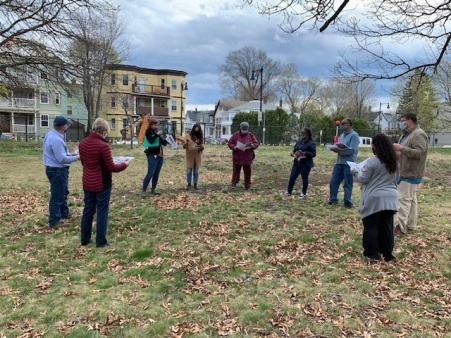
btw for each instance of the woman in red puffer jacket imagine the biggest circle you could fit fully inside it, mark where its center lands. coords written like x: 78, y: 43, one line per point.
x: 98, y: 164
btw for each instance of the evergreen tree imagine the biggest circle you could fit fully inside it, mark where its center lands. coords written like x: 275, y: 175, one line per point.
x: 276, y: 125
x: 419, y: 97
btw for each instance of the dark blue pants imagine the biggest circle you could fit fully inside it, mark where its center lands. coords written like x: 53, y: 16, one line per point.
x: 59, y: 181
x: 100, y: 202
x: 154, y: 164
x: 297, y: 170
x: 340, y: 173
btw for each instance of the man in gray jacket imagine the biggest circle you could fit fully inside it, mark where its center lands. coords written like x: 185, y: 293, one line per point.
x: 412, y: 151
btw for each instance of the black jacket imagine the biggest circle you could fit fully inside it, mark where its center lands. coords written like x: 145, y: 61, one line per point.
x: 156, y: 142
x: 309, y: 149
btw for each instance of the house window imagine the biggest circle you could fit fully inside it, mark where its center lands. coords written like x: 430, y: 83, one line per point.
x: 162, y: 104
x: 211, y: 118
x: 113, y: 124
x: 174, y: 84
x: 113, y: 79
x: 124, y: 123
x: 57, y: 98
x: 44, y: 97
x: 162, y: 84
x: 44, y: 75
x: 113, y: 102
x: 44, y: 120
x: 69, y: 110
x: 173, y: 105
x: 125, y: 79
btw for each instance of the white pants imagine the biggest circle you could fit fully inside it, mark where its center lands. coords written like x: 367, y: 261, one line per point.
x: 407, y: 206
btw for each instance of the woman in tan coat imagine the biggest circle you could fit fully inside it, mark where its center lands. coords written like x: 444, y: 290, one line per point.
x: 194, y: 145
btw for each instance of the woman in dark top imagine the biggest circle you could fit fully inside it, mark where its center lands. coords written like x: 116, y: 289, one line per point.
x: 153, y: 142
x: 304, y: 151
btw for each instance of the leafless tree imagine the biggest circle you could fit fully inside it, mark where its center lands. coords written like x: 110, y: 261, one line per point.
x: 31, y: 32
x: 336, y: 94
x: 362, y: 94
x: 376, y: 27
x: 93, y: 43
x: 236, y: 74
x: 297, y: 91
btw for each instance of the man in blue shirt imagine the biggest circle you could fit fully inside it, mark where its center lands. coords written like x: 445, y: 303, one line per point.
x: 57, y: 160
x: 341, y: 171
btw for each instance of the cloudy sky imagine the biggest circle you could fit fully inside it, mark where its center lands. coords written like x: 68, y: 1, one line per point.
x: 196, y: 35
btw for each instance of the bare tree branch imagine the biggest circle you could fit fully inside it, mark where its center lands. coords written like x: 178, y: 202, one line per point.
x: 376, y: 26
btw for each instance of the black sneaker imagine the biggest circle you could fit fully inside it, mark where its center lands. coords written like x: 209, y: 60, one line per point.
x: 348, y: 206
x: 331, y: 203
x: 103, y: 245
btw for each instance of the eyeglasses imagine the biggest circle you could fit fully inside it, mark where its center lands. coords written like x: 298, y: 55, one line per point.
x: 344, y: 124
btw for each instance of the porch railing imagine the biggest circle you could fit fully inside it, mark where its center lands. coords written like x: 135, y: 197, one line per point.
x: 18, y: 103
x: 20, y: 128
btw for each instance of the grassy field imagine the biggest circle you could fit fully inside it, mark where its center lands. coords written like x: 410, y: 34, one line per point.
x: 217, y: 262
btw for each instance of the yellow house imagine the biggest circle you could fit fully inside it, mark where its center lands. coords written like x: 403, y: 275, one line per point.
x: 132, y: 91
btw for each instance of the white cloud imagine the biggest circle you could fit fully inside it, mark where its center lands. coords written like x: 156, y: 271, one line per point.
x: 195, y: 36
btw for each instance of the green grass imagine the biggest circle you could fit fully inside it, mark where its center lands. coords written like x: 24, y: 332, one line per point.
x: 217, y: 262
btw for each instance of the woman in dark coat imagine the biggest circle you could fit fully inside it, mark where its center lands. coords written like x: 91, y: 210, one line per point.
x: 304, y: 151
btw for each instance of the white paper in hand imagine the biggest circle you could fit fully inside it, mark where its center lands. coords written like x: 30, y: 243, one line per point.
x: 359, y: 166
x: 120, y: 159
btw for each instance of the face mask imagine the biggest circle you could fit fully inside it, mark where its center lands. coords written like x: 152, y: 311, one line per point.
x: 341, y: 128
x: 402, y: 125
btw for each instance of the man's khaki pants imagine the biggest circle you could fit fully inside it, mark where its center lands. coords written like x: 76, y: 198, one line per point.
x: 407, y: 206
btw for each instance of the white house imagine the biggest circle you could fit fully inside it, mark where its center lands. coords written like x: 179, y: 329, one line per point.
x: 383, y: 121
x: 224, y: 118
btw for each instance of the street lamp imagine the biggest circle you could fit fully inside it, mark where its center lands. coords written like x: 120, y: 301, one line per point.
x: 183, y: 87
x: 380, y: 112
x: 261, y: 97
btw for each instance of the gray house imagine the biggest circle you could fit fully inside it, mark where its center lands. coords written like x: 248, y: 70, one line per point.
x: 206, y: 118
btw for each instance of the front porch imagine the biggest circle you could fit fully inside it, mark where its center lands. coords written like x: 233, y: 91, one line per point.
x: 21, y: 125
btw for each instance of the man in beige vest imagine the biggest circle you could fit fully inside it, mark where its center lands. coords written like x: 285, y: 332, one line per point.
x: 412, y: 150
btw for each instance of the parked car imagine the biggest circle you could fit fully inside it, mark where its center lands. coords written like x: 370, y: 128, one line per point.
x: 222, y: 140
x: 214, y: 140
x: 135, y: 141
x: 211, y: 140
x: 6, y: 137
